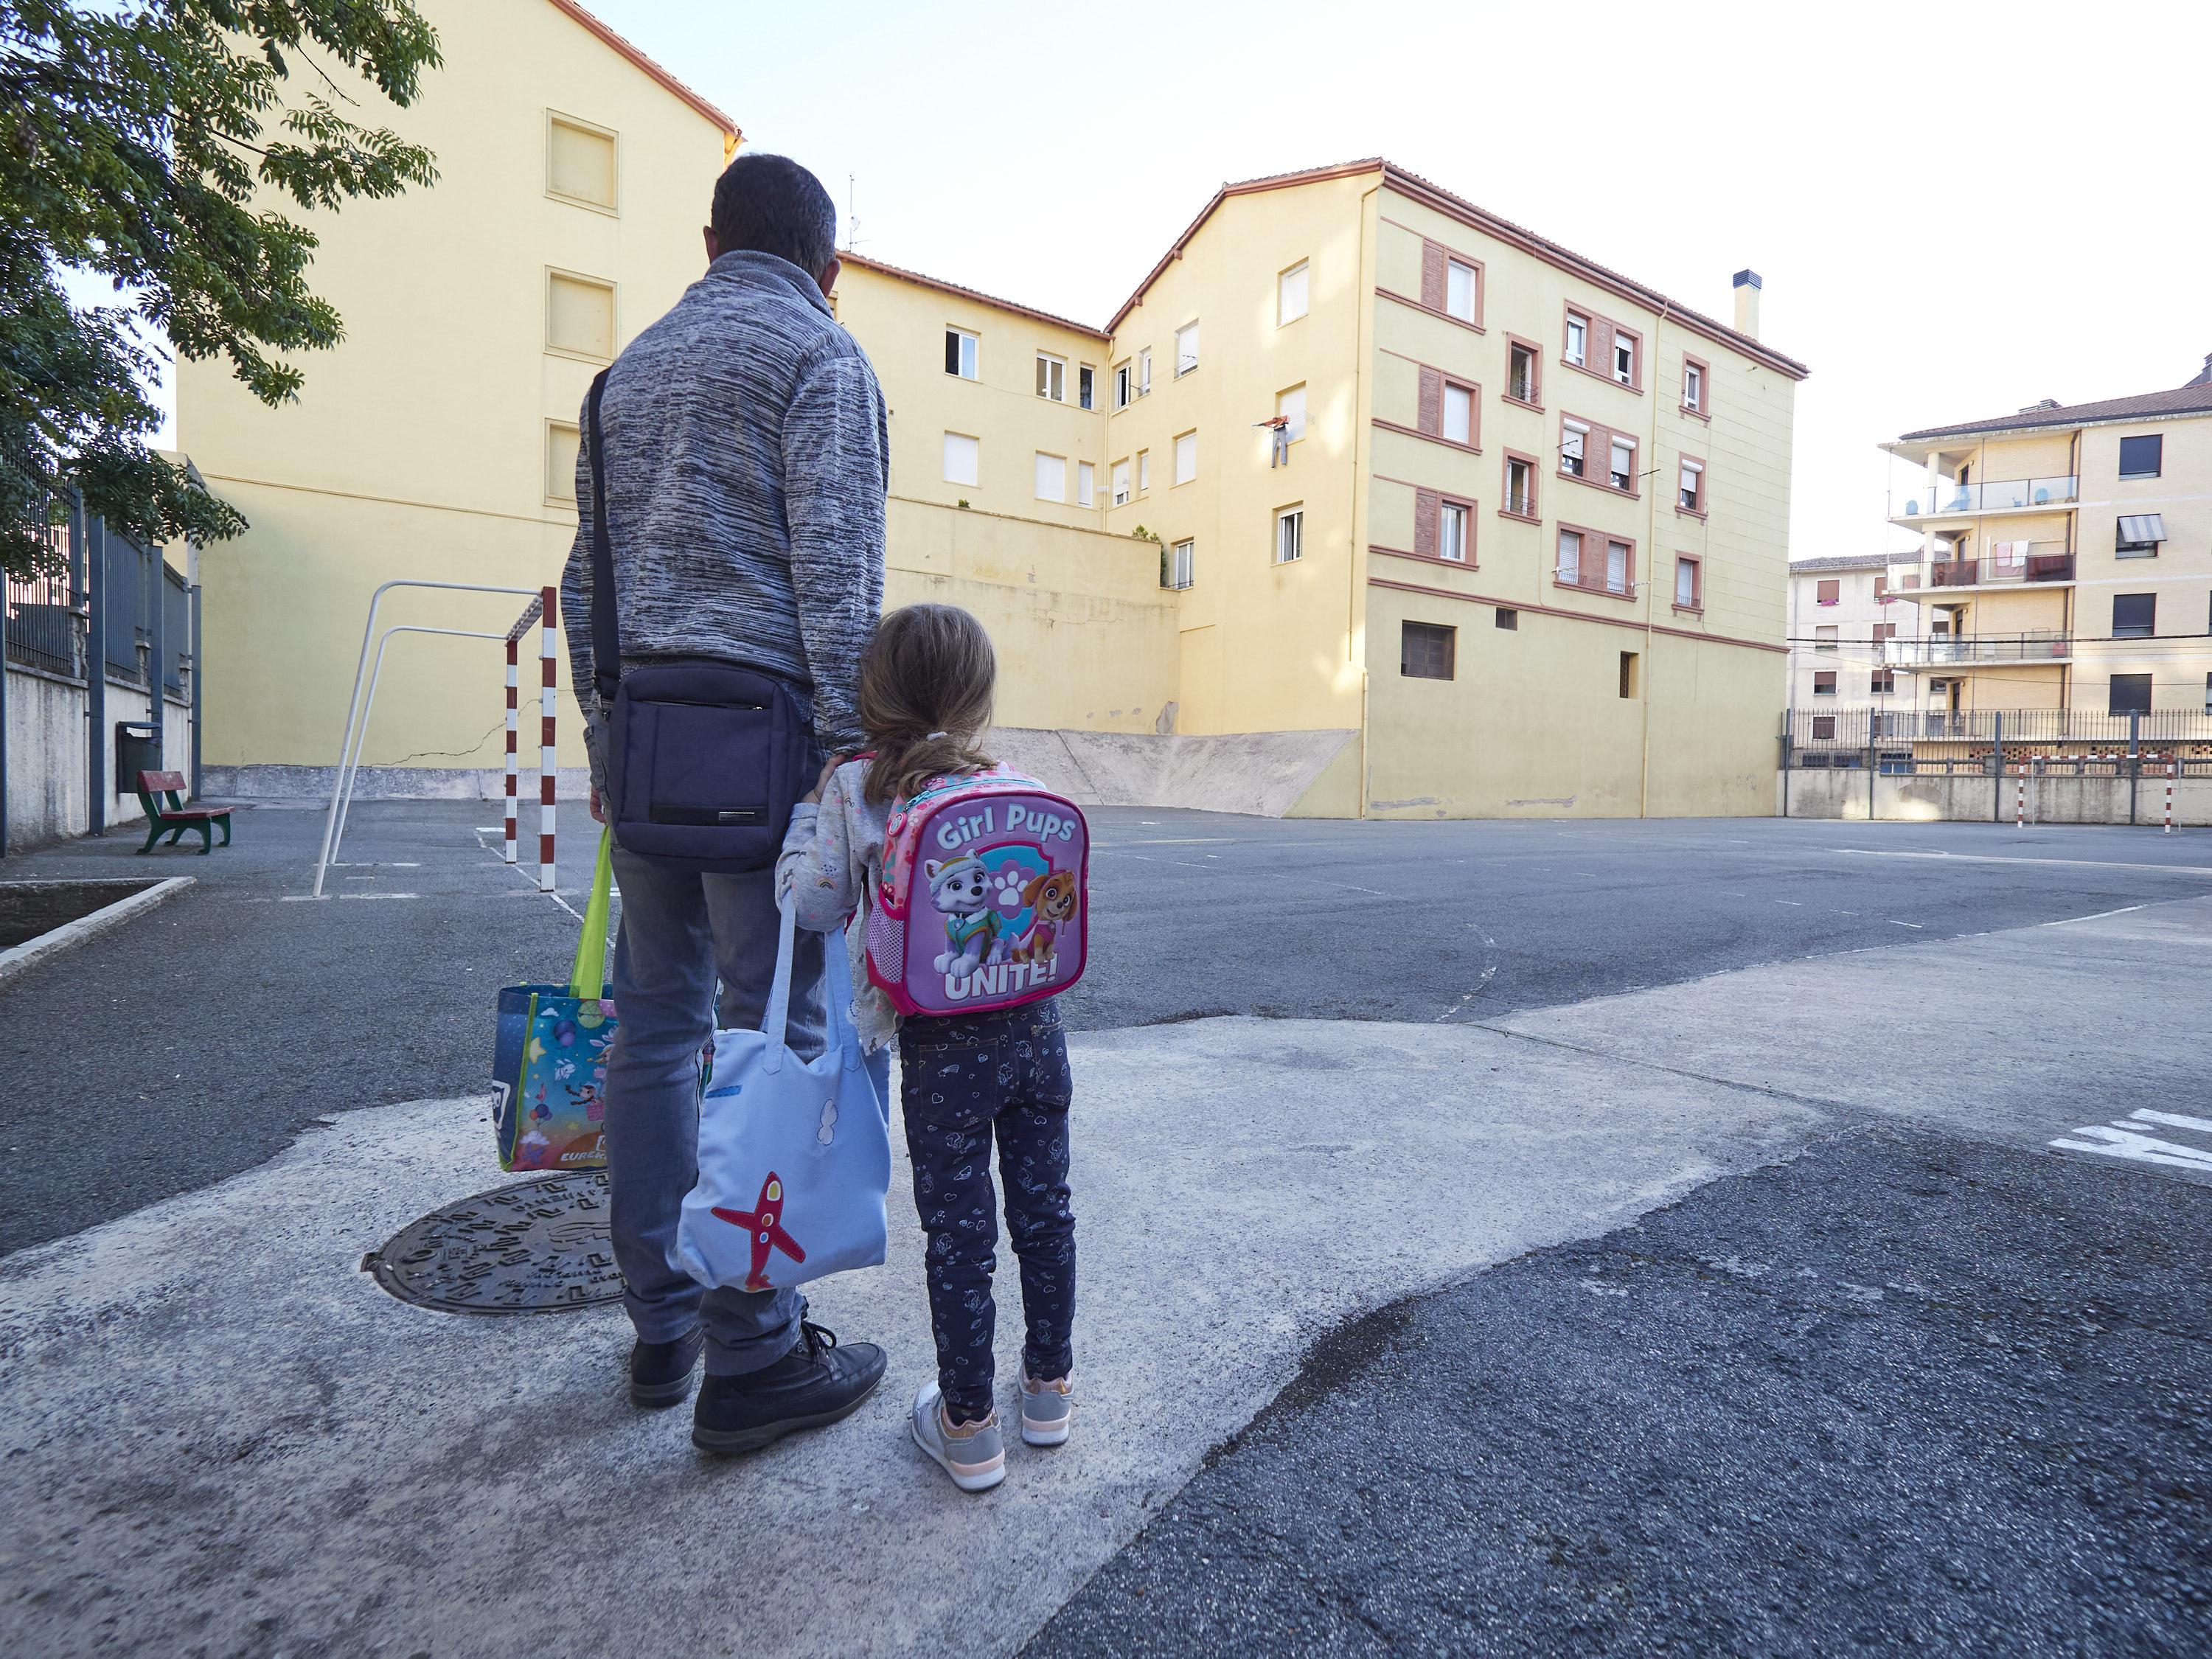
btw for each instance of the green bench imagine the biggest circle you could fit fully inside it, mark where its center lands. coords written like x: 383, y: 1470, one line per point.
x: 162, y: 793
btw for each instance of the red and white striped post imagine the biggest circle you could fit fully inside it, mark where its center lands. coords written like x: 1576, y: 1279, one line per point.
x: 549, y: 621
x: 514, y: 651
x: 2171, y: 768
x: 2020, y: 799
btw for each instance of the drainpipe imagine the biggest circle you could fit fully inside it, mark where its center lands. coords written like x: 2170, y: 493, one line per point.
x: 1357, y: 562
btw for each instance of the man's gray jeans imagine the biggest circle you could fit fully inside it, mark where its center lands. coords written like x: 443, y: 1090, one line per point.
x: 680, y: 933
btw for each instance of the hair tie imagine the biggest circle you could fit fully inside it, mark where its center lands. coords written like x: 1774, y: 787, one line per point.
x: 933, y: 736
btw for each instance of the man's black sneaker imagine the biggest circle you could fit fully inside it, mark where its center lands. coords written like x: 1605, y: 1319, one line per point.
x: 661, y: 1372
x: 815, y: 1384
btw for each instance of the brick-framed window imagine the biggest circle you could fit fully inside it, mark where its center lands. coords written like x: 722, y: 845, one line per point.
x: 1689, y: 582
x: 1427, y: 651
x: 1829, y: 590
x: 1595, y: 561
x: 1451, y: 283
x: 1824, y: 683
x: 1519, y: 501
x: 1696, y: 387
x: 1594, y: 343
x: 1690, y: 486
x: 1448, y: 410
x: 1596, y: 454
x: 1624, y: 361
x: 1524, y: 372
x: 1444, y: 527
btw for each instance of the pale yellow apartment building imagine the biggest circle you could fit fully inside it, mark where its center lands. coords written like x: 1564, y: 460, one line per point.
x: 1518, y: 545
x: 2066, y: 562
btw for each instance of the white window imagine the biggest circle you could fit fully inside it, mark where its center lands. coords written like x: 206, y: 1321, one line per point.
x: 1290, y: 406
x: 1451, y: 532
x: 1144, y: 470
x: 1051, y: 478
x: 1181, y: 558
x: 1121, y: 386
x: 1624, y: 359
x: 1693, y: 485
x: 1693, y: 386
x: 1459, y: 290
x: 1579, y: 340
x: 1573, y: 434
x: 1052, y: 377
x: 1086, y: 484
x: 1685, y: 582
x: 1520, y: 488
x: 1459, y: 414
x: 1145, y: 373
x: 1290, y: 535
x: 1621, y: 468
x: 1186, y: 349
x: 1570, y: 556
x: 1616, y: 566
x: 1828, y: 637
x: 1291, y: 294
x: 960, y: 353
x: 1120, y: 477
x: 1185, y: 458
x: 1087, y: 387
x: 961, y: 454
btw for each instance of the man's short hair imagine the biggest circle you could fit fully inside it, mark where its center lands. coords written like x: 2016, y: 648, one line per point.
x: 771, y: 204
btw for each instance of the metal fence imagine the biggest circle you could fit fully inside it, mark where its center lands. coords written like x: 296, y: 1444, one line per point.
x: 1816, y: 730
x: 146, y: 608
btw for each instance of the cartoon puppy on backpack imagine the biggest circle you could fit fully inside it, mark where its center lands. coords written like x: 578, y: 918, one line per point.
x: 1050, y: 899
x: 961, y: 888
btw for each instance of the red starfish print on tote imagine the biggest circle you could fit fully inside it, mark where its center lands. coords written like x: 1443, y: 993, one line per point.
x: 765, y: 1223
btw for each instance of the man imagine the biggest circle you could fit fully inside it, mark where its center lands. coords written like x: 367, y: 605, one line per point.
x: 746, y: 469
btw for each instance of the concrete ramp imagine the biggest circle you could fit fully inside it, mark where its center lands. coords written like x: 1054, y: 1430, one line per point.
x: 1262, y: 773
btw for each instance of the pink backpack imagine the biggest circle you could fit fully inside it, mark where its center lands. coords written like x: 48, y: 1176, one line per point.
x: 984, y: 897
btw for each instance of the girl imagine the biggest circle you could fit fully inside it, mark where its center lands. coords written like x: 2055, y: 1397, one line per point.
x: 926, y: 689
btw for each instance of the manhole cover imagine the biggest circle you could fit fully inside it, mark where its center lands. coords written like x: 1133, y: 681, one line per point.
x: 539, y: 1246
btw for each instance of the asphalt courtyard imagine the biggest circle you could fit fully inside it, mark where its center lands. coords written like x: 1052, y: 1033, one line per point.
x: 1712, y: 1237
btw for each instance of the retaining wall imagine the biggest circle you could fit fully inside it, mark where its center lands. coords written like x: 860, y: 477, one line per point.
x: 47, y: 766
x: 1860, y: 794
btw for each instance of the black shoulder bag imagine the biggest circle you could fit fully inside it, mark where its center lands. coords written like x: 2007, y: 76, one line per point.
x: 704, y: 759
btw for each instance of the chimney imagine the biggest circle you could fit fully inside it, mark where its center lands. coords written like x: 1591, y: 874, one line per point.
x: 1747, y: 302
x: 2204, y: 374
x: 2037, y: 408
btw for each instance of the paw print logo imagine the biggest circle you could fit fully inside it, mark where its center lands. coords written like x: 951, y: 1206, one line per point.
x: 1008, y: 884
x: 828, y: 1121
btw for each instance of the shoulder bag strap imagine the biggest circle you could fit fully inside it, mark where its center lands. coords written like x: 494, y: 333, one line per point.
x: 606, y: 633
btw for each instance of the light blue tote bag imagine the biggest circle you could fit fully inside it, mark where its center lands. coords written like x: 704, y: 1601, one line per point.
x: 794, y: 1155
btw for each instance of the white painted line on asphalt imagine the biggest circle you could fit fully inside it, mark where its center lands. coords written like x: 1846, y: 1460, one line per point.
x: 1795, y: 904
x: 380, y: 896
x: 22, y: 958
x: 2141, y: 1148
x: 308, y: 898
x: 1847, y: 913
x: 2174, y: 1120
x: 1894, y: 922
x: 1999, y: 858
x: 2067, y: 921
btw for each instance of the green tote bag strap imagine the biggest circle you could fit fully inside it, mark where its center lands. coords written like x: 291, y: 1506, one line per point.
x: 590, y: 978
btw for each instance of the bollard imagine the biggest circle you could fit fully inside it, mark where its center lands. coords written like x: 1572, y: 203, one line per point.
x: 507, y: 846
x: 2171, y: 768
x: 2020, y: 799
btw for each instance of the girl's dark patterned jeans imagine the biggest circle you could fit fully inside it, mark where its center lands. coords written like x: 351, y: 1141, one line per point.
x: 963, y: 1081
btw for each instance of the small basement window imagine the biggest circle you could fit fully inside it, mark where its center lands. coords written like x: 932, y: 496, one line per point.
x: 1425, y: 651
x: 1509, y: 620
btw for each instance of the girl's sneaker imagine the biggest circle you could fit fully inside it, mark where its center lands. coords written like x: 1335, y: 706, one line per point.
x: 973, y: 1454
x: 1047, y: 1410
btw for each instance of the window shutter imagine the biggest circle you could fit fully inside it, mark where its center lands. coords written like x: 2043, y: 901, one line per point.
x: 1433, y: 276
x: 1829, y: 592
x: 1426, y: 504
x: 1429, y: 415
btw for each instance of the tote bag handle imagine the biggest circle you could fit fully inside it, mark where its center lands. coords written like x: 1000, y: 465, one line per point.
x: 588, y: 980
x: 837, y: 992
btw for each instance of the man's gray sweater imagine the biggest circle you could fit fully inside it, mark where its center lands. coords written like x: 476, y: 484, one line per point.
x: 747, y: 461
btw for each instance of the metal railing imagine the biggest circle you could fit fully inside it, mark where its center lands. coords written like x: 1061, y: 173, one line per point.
x: 1946, y: 498
x: 1936, y: 652
x: 1860, y: 727
x: 2044, y: 561
x: 45, y: 625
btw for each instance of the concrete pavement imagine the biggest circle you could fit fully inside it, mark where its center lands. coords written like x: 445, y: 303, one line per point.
x: 232, y: 1442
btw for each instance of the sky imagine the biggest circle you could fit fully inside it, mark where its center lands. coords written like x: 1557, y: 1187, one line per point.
x: 1958, y: 209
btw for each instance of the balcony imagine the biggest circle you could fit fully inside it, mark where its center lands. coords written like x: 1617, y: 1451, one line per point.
x: 2041, y: 563
x: 1948, y: 500
x: 1952, y: 651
